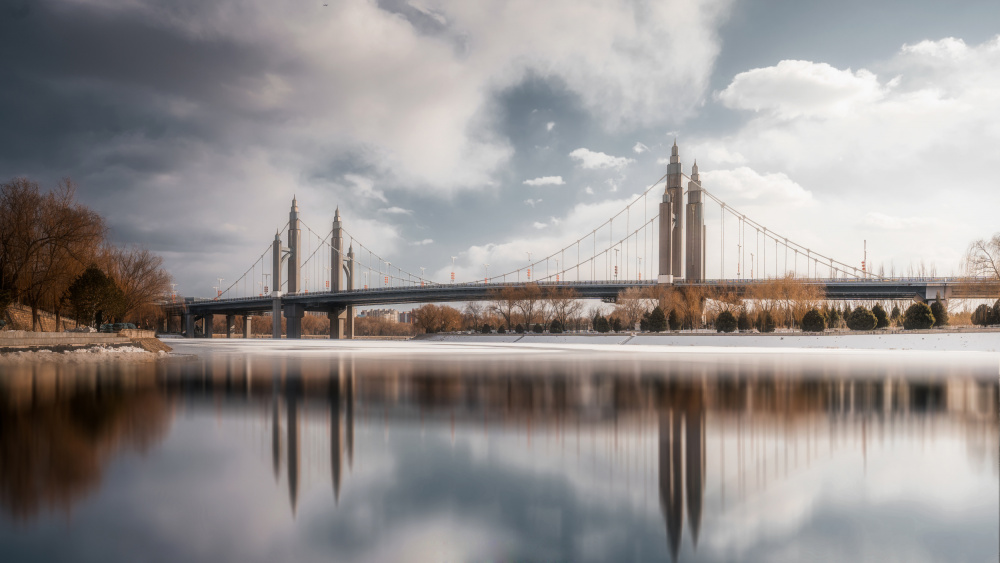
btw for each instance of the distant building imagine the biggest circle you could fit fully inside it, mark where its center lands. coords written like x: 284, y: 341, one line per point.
x: 387, y: 314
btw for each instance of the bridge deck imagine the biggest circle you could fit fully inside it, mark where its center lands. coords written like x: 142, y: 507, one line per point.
x: 895, y: 289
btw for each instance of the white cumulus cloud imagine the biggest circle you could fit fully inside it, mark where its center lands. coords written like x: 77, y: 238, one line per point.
x: 594, y: 160
x: 545, y: 181
x: 801, y: 88
x: 395, y: 211
x: 745, y: 184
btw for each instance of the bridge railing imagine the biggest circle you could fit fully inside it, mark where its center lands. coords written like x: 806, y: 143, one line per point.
x: 621, y: 283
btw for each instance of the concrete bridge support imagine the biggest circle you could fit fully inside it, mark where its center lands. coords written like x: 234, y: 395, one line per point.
x: 207, y: 330
x: 293, y: 320
x: 247, y: 326
x: 188, y: 321
x: 230, y: 325
x: 341, y: 323
x: 276, y: 316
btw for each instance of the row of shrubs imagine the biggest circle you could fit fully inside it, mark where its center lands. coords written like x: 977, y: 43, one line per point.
x: 917, y: 316
x: 985, y: 315
x: 555, y: 327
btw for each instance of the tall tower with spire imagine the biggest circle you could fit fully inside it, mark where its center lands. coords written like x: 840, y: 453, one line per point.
x: 695, y: 229
x: 337, y: 254
x: 294, y: 256
x: 666, y: 272
x: 675, y: 191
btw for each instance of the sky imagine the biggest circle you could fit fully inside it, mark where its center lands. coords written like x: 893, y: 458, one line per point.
x: 485, y: 130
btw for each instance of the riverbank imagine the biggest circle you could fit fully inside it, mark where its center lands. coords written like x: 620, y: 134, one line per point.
x: 953, y: 341
x: 18, y: 346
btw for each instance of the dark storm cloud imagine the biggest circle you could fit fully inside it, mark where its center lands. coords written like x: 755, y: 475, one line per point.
x: 76, y: 78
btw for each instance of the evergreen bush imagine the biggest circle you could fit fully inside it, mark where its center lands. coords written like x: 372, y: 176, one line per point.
x: 765, y: 322
x: 743, y: 321
x: 657, y: 320
x: 813, y: 321
x: 861, y: 319
x: 881, y: 319
x: 674, y: 320
x: 725, y: 322
x: 981, y: 316
x: 940, y: 313
x: 918, y: 316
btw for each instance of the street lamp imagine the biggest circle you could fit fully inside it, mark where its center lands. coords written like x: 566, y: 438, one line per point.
x: 529, y: 264
x: 487, y: 279
x: 557, y: 270
x: 219, y: 289
x: 388, y: 272
x: 616, y: 264
x: 453, y: 268
x: 422, y: 271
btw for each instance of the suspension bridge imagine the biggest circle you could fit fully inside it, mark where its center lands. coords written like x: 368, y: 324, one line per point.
x: 656, y: 239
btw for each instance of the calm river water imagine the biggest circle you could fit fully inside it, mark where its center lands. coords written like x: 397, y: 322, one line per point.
x: 367, y: 452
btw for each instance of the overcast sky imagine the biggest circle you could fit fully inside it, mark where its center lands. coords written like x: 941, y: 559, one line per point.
x: 486, y: 129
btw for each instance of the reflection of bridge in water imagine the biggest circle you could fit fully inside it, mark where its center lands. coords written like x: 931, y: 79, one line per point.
x: 737, y: 429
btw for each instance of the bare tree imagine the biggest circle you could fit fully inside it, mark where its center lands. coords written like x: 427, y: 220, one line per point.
x: 46, y: 242
x: 565, y: 304
x: 437, y: 318
x: 632, y: 303
x: 473, y: 313
x: 982, y: 259
x: 529, y: 303
x: 503, y: 303
x: 139, y: 274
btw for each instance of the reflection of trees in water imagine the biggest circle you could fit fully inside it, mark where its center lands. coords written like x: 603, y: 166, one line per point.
x: 53, y: 452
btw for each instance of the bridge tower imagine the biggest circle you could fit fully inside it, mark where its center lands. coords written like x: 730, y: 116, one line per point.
x: 337, y: 253
x: 341, y: 279
x: 672, y: 254
x: 294, y: 256
x: 695, y: 229
x: 666, y: 273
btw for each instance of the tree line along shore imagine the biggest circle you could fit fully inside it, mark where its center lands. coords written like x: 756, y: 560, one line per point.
x: 57, y: 261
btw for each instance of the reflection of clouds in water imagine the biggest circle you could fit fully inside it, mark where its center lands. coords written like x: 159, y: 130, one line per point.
x: 549, y: 457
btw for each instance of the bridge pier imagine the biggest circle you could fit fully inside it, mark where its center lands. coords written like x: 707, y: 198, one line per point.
x: 188, y: 321
x: 230, y: 322
x: 341, y: 322
x: 208, y: 326
x: 247, y: 331
x: 276, y: 316
x: 293, y: 320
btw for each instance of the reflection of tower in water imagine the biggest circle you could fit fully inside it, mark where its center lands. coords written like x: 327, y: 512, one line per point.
x: 293, y: 391
x: 341, y: 397
x: 682, y: 473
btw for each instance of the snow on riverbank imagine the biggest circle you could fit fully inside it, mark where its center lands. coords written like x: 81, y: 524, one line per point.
x: 922, y: 341
x: 94, y: 354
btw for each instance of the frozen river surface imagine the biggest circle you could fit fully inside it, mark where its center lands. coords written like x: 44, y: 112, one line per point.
x: 483, y: 450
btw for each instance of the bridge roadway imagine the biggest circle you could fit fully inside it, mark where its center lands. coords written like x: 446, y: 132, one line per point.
x: 885, y: 289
